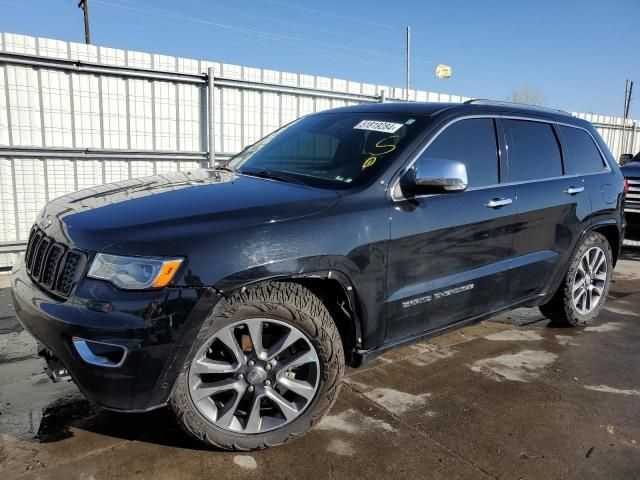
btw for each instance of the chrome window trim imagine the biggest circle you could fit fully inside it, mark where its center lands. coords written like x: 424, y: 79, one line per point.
x: 396, y: 182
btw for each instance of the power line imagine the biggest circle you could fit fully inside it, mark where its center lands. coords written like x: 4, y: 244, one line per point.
x: 285, y: 22
x: 256, y: 32
x: 145, y: 15
x: 251, y: 31
x: 335, y: 15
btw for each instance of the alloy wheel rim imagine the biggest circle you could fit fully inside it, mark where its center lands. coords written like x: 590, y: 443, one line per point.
x: 254, y: 376
x: 589, y: 280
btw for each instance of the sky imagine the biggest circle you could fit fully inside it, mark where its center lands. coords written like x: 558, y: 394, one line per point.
x: 576, y: 54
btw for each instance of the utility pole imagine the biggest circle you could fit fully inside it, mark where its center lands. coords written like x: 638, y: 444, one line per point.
x: 408, y: 61
x: 628, y: 89
x: 628, y: 102
x: 84, y: 5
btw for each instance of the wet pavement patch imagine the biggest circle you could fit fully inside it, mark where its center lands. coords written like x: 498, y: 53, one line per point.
x: 60, y: 415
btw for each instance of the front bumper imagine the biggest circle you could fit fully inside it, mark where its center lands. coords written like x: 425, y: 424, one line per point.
x: 155, y: 328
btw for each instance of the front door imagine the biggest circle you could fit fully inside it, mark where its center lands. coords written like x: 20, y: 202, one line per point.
x: 449, y: 253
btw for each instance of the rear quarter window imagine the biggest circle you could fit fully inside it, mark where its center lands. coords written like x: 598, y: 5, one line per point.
x: 582, y: 155
x: 534, y: 152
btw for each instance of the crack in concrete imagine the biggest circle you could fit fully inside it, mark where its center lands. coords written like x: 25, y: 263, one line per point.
x: 421, y: 432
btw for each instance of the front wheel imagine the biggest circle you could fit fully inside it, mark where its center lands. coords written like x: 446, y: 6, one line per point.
x: 268, y: 364
x: 584, y: 288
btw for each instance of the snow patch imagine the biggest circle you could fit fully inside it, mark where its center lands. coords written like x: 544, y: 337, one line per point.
x: 395, y: 401
x: 342, y: 448
x: 245, y: 461
x: 606, y: 389
x: 605, y: 327
x: 565, y: 340
x: 427, y: 357
x: 518, y: 367
x: 619, y: 310
x: 353, y: 421
x: 515, y: 336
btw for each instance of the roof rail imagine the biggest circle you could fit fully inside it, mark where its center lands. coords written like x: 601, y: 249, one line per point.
x: 498, y: 103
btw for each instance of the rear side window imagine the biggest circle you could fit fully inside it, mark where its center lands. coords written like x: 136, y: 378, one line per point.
x: 582, y: 155
x: 472, y: 142
x: 533, y: 151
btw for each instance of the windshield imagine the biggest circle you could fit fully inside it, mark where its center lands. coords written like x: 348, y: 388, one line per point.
x: 330, y: 150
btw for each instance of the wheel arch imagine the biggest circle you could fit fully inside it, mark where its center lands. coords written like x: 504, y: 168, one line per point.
x: 335, y: 290
x: 611, y: 232
x: 609, y: 229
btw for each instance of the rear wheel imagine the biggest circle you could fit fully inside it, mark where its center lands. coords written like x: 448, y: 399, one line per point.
x: 584, y: 288
x: 267, y: 366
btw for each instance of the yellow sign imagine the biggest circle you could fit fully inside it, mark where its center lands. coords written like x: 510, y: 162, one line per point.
x: 443, y: 71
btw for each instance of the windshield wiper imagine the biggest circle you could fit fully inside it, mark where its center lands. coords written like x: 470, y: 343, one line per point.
x: 225, y: 168
x: 264, y: 173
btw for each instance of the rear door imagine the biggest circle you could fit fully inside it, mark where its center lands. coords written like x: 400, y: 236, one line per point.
x: 552, y: 207
x: 449, y: 253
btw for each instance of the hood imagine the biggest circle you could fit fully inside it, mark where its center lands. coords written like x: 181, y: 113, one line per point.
x: 173, y: 207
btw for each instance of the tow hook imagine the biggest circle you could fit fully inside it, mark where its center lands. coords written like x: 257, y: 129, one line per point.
x: 55, y: 369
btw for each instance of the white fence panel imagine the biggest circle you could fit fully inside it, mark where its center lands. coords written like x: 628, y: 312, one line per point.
x: 75, y: 116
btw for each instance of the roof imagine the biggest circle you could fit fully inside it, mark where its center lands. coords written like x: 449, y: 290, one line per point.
x: 433, y: 108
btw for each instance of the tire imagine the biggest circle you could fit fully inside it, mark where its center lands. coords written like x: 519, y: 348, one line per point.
x: 278, y: 307
x: 567, y: 309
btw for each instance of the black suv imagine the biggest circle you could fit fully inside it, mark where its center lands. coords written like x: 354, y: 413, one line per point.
x: 631, y: 171
x: 237, y: 294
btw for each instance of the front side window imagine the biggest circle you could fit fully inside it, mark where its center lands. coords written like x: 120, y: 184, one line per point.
x: 581, y: 156
x: 534, y: 152
x: 472, y: 142
x: 331, y: 150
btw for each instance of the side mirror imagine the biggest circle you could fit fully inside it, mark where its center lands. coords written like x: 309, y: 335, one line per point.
x: 434, y: 175
x: 625, y: 158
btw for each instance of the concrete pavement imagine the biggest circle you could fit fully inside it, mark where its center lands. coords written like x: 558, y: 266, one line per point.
x: 506, y: 398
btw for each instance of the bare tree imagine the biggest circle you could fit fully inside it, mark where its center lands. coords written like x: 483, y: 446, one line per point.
x: 527, y: 95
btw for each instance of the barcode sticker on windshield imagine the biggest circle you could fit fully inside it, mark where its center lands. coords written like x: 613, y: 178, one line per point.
x: 378, y: 126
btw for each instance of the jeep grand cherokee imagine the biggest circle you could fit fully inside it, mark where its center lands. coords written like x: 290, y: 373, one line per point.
x: 237, y: 294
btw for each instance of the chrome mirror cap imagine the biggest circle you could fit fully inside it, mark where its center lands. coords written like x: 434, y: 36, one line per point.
x: 435, y: 175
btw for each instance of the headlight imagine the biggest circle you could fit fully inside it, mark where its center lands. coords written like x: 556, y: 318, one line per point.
x: 134, y: 273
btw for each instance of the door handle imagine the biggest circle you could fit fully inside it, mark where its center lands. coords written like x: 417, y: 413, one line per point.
x: 574, y: 190
x: 498, y: 202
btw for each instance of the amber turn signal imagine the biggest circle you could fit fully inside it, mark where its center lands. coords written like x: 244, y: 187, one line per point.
x: 167, y: 272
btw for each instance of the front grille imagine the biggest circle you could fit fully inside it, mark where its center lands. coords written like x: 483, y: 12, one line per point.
x: 52, y: 265
x: 632, y: 200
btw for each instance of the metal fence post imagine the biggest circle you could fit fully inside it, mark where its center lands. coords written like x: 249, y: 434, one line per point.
x: 211, y: 119
x: 382, y: 96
